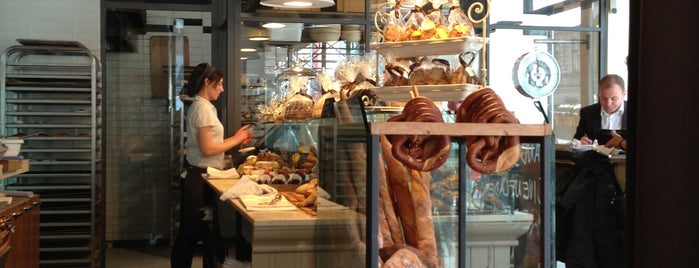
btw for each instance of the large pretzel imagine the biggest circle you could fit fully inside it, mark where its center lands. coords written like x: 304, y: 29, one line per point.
x: 488, y: 154
x: 420, y: 152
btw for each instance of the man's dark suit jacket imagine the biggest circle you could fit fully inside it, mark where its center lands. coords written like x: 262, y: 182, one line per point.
x: 590, y: 124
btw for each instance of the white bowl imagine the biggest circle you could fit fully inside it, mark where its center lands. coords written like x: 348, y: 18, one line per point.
x: 13, y: 146
x: 325, y: 33
x: 351, y: 35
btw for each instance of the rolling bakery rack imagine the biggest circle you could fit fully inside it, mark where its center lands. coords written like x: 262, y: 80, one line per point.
x: 50, y: 95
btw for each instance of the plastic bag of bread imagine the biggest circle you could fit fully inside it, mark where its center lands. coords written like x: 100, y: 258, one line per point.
x: 346, y: 72
x: 435, y: 25
x: 325, y: 80
x: 395, y: 75
x: 393, y: 25
x: 465, y: 74
x: 354, y: 74
x: 320, y: 103
x: 459, y: 24
x: 429, y: 72
x: 298, y: 107
x: 413, y: 25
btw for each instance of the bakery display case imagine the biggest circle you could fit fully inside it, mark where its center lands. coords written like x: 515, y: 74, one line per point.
x: 478, y: 220
x: 426, y: 204
x: 470, y: 217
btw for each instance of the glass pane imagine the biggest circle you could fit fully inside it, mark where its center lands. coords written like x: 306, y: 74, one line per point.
x: 298, y: 58
x: 546, y: 13
x: 577, y: 56
x: 147, y: 61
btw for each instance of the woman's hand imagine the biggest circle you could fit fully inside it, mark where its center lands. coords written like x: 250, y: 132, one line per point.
x: 616, y: 141
x: 244, y: 134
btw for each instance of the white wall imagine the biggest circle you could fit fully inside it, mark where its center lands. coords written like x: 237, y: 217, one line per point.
x: 73, y: 20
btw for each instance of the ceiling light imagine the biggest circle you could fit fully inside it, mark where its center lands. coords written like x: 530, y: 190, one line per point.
x: 248, y: 49
x: 298, y: 3
x: 257, y: 34
x: 250, y: 56
x: 273, y: 25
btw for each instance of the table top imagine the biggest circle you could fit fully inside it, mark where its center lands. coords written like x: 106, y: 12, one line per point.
x: 286, y: 218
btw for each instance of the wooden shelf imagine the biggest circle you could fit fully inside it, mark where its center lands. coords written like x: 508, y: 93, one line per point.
x: 418, y: 48
x: 8, y: 174
x: 460, y: 129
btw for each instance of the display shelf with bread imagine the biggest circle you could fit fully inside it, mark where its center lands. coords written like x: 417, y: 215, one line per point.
x: 430, y: 49
x: 418, y: 48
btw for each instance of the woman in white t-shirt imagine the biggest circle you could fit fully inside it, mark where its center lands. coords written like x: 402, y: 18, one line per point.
x: 205, y: 148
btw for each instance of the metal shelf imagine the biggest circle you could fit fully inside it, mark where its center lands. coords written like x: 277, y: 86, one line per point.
x: 42, y: 82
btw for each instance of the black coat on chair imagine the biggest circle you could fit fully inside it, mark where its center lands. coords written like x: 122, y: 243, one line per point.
x: 589, y: 211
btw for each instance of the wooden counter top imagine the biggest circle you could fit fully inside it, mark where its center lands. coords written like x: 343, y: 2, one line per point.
x: 276, y: 218
x: 262, y: 218
x: 287, y: 238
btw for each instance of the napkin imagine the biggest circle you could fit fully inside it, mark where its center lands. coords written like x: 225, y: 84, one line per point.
x: 214, y: 173
x: 606, y: 150
x: 577, y: 145
x: 245, y: 186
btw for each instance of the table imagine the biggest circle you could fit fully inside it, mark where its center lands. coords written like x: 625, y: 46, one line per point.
x: 620, y: 170
x: 282, y: 238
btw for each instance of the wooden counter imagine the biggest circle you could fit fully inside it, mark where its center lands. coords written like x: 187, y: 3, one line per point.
x: 19, y: 232
x: 283, y: 238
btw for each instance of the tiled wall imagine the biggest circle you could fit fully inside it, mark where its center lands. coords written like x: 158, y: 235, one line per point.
x: 76, y: 20
x: 138, y: 164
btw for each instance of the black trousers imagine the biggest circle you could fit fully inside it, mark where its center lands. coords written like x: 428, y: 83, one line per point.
x: 196, y: 195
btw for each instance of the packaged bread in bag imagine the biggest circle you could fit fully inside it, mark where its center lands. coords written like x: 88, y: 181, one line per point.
x: 413, y: 25
x: 435, y: 25
x: 459, y: 24
x: 393, y: 25
x: 430, y: 71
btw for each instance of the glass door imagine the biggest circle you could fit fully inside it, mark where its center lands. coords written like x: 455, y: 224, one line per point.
x: 149, y: 54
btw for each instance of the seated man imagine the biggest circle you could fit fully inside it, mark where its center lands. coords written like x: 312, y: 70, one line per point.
x: 605, y: 120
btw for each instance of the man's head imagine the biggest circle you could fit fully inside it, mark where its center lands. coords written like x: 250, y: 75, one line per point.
x: 611, y: 92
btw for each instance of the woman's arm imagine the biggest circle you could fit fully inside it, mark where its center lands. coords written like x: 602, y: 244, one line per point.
x: 208, y: 147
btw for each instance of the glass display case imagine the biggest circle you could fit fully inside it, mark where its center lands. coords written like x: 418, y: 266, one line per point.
x: 495, y: 220
x: 473, y: 220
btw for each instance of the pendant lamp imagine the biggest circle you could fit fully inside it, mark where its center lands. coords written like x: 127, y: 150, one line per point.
x: 298, y: 3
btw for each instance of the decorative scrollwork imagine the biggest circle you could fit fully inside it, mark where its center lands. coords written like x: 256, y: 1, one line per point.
x: 478, y: 8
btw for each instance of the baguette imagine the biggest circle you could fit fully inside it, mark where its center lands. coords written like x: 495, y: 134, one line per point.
x: 386, y: 225
x: 422, y: 203
x: 402, y: 201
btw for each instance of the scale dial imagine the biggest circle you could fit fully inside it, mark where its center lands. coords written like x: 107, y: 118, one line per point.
x: 536, y: 74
